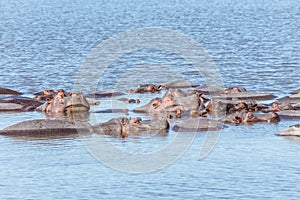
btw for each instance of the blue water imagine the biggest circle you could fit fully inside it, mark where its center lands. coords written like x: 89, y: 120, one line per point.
x: 254, y: 44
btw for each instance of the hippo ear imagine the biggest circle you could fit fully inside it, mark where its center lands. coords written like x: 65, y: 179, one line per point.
x: 124, y: 121
x: 237, y: 118
x: 159, y: 88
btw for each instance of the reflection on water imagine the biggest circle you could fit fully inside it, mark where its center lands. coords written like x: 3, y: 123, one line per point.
x: 254, y: 44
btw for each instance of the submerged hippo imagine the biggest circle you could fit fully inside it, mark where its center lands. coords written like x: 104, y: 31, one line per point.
x: 220, y: 107
x: 209, y: 89
x: 296, y: 92
x: 46, y: 129
x: 276, y: 107
x: 292, y: 100
x: 104, y: 94
x: 232, y: 90
x: 75, y: 102
x: 179, y: 84
x: 18, y: 104
x: 44, y: 95
x: 9, y: 92
x: 289, y: 114
x: 146, y: 88
x: 247, y: 95
x: 118, y: 127
x: 123, y: 127
x: 198, y: 125
x: 292, y: 131
x: 125, y: 100
x: 245, y: 117
x: 175, y: 100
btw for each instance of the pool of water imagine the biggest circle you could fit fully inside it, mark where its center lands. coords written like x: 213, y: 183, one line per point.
x: 253, y: 44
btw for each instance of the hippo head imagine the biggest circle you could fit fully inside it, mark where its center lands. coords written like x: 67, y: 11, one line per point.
x: 74, y: 102
x: 173, y: 101
x: 155, y: 105
x: 131, y: 126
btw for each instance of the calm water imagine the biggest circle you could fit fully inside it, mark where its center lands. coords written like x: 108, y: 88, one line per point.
x: 254, y: 44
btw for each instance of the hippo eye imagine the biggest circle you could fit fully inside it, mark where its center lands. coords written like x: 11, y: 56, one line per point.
x: 155, y: 105
x: 136, y: 120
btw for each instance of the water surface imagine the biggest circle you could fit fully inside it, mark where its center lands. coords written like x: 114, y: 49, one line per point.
x: 254, y: 44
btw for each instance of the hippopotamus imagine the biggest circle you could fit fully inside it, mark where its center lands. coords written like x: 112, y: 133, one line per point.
x: 292, y: 100
x: 104, y: 94
x: 209, y: 89
x: 9, y: 92
x: 125, y: 100
x: 245, y: 117
x: 74, y: 102
x: 156, y: 106
x: 175, y: 100
x: 112, y: 111
x: 220, y: 107
x: 233, y: 90
x: 44, y: 95
x: 117, y: 127
x: 188, y: 100
x: 276, y: 107
x: 146, y: 88
x: 178, y: 84
x: 292, y: 131
x: 123, y: 127
x: 218, y: 90
x: 46, y: 129
x: 198, y: 125
x: 296, y: 92
x: 18, y: 104
x: 289, y: 114
x: 247, y: 95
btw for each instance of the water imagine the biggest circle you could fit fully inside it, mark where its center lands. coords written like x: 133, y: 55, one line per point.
x: 254, y: 44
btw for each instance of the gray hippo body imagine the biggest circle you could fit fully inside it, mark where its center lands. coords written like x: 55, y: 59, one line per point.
x: 209, y: 89
x: 146, y: 88
x: 131, y: 127
x: 220, y: 107
x: 289, y: 114
x: 179, y: 84
x: 198, y: 125
x: 46, y: 128
x: 292, y: 131
x: 247, y: 95
x: 293, y: 101
x: 245, y: 117
x: 9, y: 92
x: 18, y: 104
x: 125, y: 100
x: 104, y: 94
x: 117, y: 127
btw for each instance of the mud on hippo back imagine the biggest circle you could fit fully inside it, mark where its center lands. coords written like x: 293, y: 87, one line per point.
x: 75, y: 102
